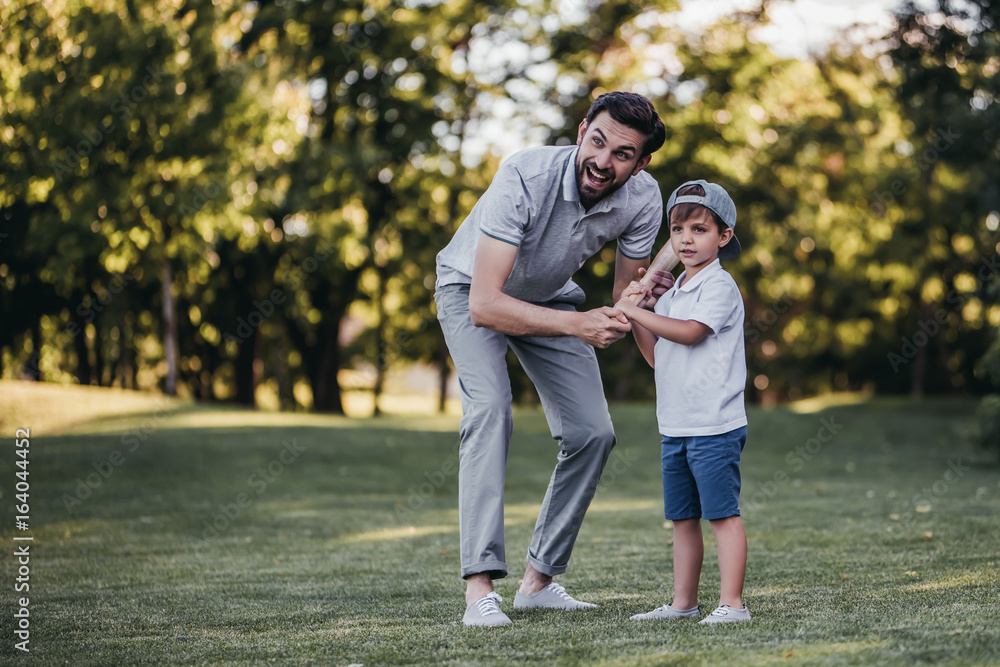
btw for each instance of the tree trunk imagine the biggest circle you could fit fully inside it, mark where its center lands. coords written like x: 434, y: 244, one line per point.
x: 33, y: 367
x: 83, y: 368
x: 99, y: 357
x: 245, y: 385
x: 125, y: 367
x: 326, y: 389
x: 209, y: 356
x: 286, y: 393
x: 382, y: 359
x: 920, y: 360
x: 169, y: 327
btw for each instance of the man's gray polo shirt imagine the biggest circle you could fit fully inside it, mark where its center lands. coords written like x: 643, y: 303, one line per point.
x: 533, y: 203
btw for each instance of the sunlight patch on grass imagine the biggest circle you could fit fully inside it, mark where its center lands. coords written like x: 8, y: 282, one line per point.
x: 624, y: 505
x: 229, y: 419
x: 250, y: 418
x: 515, y: 514
x: 833, y: 649
x: 362, y: 404
x: 403, y: 532
x: 810, y: 405
x: 49, y: 408
x: 775, y: 591
x: 942, y: 584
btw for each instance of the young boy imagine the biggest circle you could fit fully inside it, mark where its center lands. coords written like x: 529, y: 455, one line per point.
x: 694, y: 341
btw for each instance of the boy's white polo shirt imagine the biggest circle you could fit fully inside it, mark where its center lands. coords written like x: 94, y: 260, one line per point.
x: 699, y: 388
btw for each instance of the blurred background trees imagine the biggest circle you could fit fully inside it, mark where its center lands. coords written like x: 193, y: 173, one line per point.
x: 243, y: 200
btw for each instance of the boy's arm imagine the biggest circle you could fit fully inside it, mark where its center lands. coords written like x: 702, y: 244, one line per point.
x: 684, y: 332
x: 646, y: 341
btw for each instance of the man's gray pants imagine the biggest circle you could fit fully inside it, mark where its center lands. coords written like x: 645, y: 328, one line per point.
x: 565, y: 373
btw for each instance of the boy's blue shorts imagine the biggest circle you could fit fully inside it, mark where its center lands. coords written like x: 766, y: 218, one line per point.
x: 701, y: 475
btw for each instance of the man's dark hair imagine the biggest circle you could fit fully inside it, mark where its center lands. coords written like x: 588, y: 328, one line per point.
x: 634, y: 111
x: 681, y: 212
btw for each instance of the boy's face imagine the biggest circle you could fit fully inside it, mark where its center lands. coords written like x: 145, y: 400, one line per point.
x: 608, y: 157
x: 697, y: 240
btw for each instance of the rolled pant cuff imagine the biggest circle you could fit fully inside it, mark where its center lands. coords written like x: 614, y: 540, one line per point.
x: 497, y: 569
x: 548, y: 570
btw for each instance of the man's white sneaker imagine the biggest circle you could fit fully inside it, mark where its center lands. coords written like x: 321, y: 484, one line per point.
x: 667, y: 612
x: 485, y: 612
x: 726, y: 614
x: 552, y: 596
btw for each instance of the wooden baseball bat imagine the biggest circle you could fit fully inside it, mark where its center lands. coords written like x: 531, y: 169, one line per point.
x: 664, y: 261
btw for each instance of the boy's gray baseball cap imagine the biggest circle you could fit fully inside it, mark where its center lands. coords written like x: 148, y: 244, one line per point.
x: 717, y: 200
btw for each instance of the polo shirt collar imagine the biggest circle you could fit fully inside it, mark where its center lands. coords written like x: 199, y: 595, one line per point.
x: 569, y: 187
x: 700, y: 277
x: 618, y: 199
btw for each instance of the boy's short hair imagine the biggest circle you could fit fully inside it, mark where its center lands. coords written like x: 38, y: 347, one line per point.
x: 681, y: 212
x: 634, y: 111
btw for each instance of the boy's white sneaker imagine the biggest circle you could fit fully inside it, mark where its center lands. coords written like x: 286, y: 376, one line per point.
x: 485, y: 612
x: 667, y: 612
x: 552, y: 596
x: 726, y: 614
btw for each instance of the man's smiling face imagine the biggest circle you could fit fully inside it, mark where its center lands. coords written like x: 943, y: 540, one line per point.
x: 608, y: 157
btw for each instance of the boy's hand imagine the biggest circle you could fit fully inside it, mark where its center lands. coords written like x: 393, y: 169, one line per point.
x: 664, y: 280
x: 635, y: 288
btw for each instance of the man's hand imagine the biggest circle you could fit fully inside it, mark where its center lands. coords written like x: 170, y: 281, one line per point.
x: 603, y: 326
x: 664, y: 281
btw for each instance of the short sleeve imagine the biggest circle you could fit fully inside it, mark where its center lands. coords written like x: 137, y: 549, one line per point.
x: 505, y: 206
x: 636, y: 242
x: 717, y: 306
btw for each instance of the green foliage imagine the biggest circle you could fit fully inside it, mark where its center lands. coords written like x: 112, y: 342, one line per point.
x: 289, y: 170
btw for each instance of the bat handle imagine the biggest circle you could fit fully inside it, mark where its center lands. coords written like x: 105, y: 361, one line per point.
x: 646, y: 282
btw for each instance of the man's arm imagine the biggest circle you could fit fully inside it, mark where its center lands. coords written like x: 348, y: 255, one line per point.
x: 627, y: 270
x: 489, y: 307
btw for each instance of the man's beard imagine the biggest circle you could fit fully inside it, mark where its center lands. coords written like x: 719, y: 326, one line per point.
x: 589, y: 201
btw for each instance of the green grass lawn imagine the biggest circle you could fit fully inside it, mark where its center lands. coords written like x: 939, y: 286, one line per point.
x: 190, y: 535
